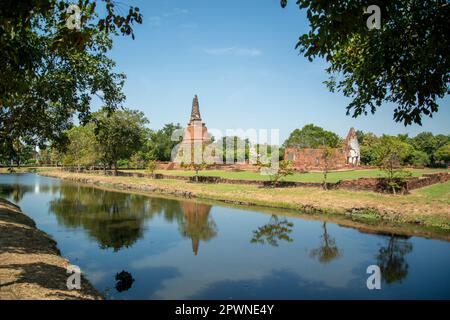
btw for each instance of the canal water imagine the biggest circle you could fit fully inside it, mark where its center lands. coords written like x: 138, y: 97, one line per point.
x: 181, y: 249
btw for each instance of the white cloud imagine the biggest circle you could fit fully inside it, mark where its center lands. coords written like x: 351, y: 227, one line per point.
x: 234, y: 51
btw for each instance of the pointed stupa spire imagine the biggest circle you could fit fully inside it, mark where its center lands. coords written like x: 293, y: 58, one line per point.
x: 195, y: 114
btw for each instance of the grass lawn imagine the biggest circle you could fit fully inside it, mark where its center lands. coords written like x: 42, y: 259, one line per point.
x: 298, y: 177
x: 333, y: 176
x: 26, y: 169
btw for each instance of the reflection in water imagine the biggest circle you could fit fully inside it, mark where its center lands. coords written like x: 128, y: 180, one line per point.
x: 274, y: 231
x: 391, y: 259
x: 124, y: 281
x: 116, y: 220
x: 197, y: 224
x: 159, y: 233
x: 328, y: 249
x: 15, y: 192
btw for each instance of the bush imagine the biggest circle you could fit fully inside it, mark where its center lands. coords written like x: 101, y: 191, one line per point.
x: 368, y: 155
x: 151, y: 166
x: 30, y: 162
x: 123, y: 163
x: 418, y: 159
x: 442, y: 155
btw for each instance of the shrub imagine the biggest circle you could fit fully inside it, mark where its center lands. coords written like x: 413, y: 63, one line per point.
x: 151, y: 166
x: 285, y: 168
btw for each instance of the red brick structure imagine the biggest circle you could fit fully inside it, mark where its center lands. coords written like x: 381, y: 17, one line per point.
x: 196, y: 131
x: 195, y: 138
x: 306, y: 159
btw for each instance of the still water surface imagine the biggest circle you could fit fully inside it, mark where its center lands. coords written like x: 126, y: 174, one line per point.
x: 179, y: 249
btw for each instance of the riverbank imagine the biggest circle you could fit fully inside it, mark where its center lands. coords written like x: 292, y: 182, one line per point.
x: 31, y: 267
x: 428, y: 207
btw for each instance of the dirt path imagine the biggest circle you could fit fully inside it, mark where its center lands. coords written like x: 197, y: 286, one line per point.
x: 31, y: 266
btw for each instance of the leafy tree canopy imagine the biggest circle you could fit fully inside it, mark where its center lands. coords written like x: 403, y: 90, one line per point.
x: 406, y: 62
x: 83, y: 147
x: 428, y: 143
x: 442, y: 155
x: 311, y: 136
x: 418, y: 151
x: 49, y: 72
x: 119, y: 134
x: 160, y: 145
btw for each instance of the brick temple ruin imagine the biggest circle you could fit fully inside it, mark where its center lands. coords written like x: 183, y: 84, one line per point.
x: 305, y: 159
x: 196, y: 136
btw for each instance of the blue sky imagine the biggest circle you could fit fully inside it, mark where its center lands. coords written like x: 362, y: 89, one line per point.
x: 239, y: 57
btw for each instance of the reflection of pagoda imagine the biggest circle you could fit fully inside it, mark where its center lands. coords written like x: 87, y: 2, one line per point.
x: 195, y: 136
x: 197, y: 225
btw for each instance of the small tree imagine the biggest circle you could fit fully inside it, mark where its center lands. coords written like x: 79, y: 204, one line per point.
x: 197, y: 160
x: 285, y: 168
x: 328, y: 157
x: 197, y: 167
x: 390, y: 154
x: 137, y: 160
x: 151, y: 166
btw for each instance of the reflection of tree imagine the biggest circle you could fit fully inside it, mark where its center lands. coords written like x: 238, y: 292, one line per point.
x: 114, y: 219
x: 197, y: 224
x: 274, y: 231
x: 328, y: 249
x: 391, y: 259
x: 16, y: 192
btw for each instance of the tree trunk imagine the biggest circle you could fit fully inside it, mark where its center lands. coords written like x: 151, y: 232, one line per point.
x: 324, y: 183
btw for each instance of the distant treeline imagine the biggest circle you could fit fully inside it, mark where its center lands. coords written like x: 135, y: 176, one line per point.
x: 121, y: 139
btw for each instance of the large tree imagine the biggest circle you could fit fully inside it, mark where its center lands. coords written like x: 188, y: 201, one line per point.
x: 119, y: 134
x: 442, y: 155
x: 83, y: 147
x: 52, y: 67
x: 405, y: 62
x: 162, y: 142
x: 17, y: 152
x: 428, y: 143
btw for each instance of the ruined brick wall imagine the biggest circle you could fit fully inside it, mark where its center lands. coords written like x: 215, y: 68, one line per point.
x: 361, y: 184
x: 426, y: 180
x: 380, y: 184
x: 348, y: 156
